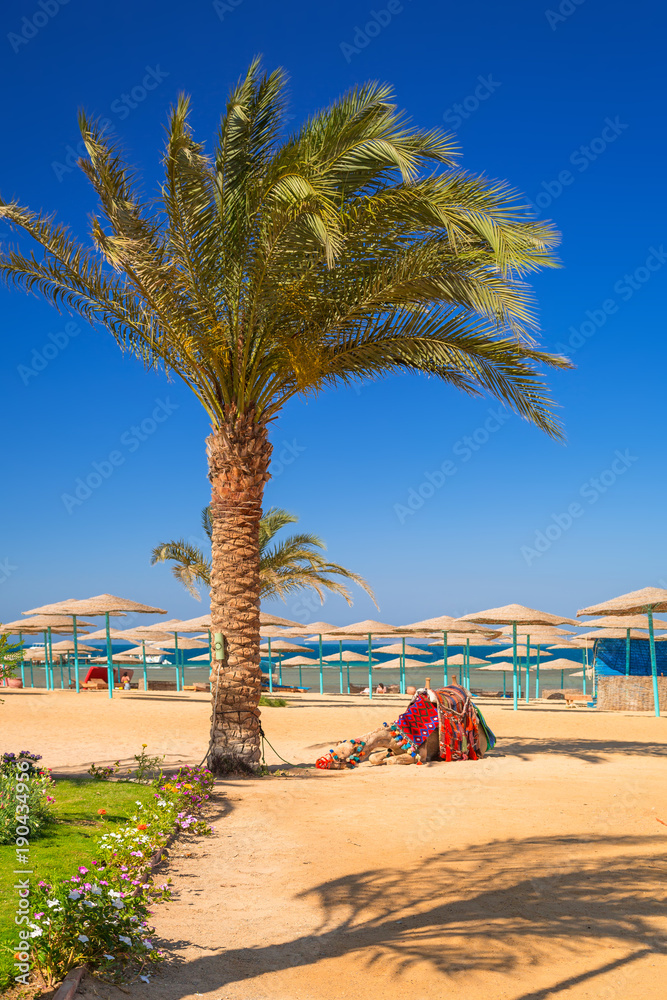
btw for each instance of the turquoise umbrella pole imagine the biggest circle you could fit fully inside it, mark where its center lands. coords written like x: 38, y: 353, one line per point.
x: 76, y: 653
x: 280, y: 668
x: 143, y: 652
x: 445, y: 669
x: 527, y: 669
x: 62, y: 676
x: 300, y: 676
x: 178, y: 677
x: 32, y: 677
x: 340, y: 660
x: 321, y: 667
x: 584, y: 660
x: 270, y: 669
x: 627, y: 652
x: 537, y: 674
x: 402, y: 685
x: 504, y: 683
x: 562, y: 679
x: 515, y: 689
x: 466, y: 665
x: 654, y: 664
x: 69, y: 672
x: 370, y: 667
x: 22, y: 660
x: 53, y: 683
x: 348, y: 676
x: 110, y: 676
x: 46, y: 661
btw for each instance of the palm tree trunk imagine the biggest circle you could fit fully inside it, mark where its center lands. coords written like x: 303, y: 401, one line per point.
x: 238, y: 458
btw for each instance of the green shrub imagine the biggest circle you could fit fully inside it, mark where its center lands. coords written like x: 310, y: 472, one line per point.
x: 272, y: 702
x: 25, y: 805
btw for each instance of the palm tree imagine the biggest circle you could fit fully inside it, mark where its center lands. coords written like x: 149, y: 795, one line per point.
x: 282, y: 265
x: 289, y: 566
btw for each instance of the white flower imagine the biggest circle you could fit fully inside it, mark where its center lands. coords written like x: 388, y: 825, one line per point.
x: 144, y: 979
x: 89, y: 902
x: 114, y: 892
x: 138, y: 803
x: 125, y: 940
x: 110, y: 957
x: 55, y: 902
x: 83, y: 939
x: 96, y: 891
x: 148, y: 944
x: 161, y: 802
x: 36, y: 931
x: 118, y: 903
x: 74, y: 894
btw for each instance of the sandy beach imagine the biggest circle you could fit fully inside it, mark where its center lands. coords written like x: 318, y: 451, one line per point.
x: 536, y: 873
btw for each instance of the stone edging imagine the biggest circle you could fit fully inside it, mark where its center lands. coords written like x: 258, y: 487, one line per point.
x: 70, y: 984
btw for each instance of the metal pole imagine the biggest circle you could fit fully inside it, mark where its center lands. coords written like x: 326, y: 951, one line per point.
x: 515, y: 691
x: 62, y: 674
x: 401, y: 669
x: 46, y: 662
x: 280, y: 667
x: 348, y: 676
x: 504, y: 683
x: 178, y: 678
x: 627, y: 652
x: 69, y: 672
x: 370, y: 667
x: 466, y: 665
x: 527, y: 669
x: 270, y: 669
x: 584, y: 660
x: 562, y: 679
x: 76, y: 653
x: 444, y: 656
x: 32, y: 678
x: 143, y: 650
x: 321, y: 666
x: 53, y: 683
x: 110, y: 676
x: 22, y: 660
x: 537, y: 674
x: 654, y: 665
x: 340, y: 660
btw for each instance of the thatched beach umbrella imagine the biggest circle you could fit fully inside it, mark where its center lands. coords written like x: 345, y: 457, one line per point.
x: 103, y: 604
x: 527, y: 651
x: 515, y: 615
x: 317, y: 629
x: 50, y: 625
x: 282, y: 646
x: 625, y: 622
x: 397, y: 647
x: 346, y: 656
x: 300, y: 662
x: 367, y: 628
x: 452, y: 629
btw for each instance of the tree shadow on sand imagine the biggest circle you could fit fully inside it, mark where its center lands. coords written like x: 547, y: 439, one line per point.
x: 589, y: 750
x: 483, y: 909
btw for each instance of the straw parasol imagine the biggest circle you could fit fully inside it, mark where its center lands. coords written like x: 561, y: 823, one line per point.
x: 627, y: 623
x: 459, y: 660
x: 514, y: 615
x: 300, y: 662
x: 521, y: 651
x: 65, y: 646
x: 150, y: 650
x: 455, y: 632
x: 286, y: 647
x: 102, y: 604
x: 637, y: 602
x: 266, y: 619
x: 367, y: 628
x: 397, y: 647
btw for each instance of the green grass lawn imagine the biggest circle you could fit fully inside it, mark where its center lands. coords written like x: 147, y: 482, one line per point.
x: 67, y: 844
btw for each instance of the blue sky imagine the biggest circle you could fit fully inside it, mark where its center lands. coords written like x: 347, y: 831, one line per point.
x: 565, y: 103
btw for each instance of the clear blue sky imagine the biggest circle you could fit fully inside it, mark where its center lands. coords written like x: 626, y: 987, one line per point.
x: 539, y: 94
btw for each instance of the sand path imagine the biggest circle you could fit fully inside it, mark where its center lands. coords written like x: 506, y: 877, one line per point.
x: 537, y: 873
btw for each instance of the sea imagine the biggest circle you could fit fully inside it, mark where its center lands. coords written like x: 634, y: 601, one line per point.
x: 309, y: 676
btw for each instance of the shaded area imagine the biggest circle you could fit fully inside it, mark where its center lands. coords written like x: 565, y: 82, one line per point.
x: 482, y: 910
x: 590, y: 750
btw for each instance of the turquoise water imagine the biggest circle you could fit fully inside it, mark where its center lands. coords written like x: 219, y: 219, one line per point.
x: 310, y: 676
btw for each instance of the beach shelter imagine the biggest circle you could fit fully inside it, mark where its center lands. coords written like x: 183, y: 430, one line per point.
x: 346, y: 656
x: 103, y: 604
x: 627, y: 623
x: 637, y: 602
x: 50, y: 625
x: 451, y: 629
x: 367, y: 628
x: 527, y: 651
x: 515, y: 615
x: 300, y: 662
x: 282, y: 646
x: 317, y: 629
x: 397, y: 647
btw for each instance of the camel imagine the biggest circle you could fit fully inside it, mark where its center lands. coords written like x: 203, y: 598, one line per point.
x: 437, y: 725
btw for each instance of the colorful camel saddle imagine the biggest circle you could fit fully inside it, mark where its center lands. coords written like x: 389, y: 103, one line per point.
x: 459, y: 722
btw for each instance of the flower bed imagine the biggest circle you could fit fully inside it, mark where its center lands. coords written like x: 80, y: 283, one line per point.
x: 98, y: 916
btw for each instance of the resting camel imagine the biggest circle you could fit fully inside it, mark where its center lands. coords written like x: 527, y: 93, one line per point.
x: 437, y: 725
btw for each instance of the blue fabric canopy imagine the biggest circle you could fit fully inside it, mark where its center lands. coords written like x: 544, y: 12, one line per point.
x: 610, y: 657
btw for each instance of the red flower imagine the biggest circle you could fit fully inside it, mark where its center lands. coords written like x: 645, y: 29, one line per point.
x: 101, y: 812
x: 142, y: 826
